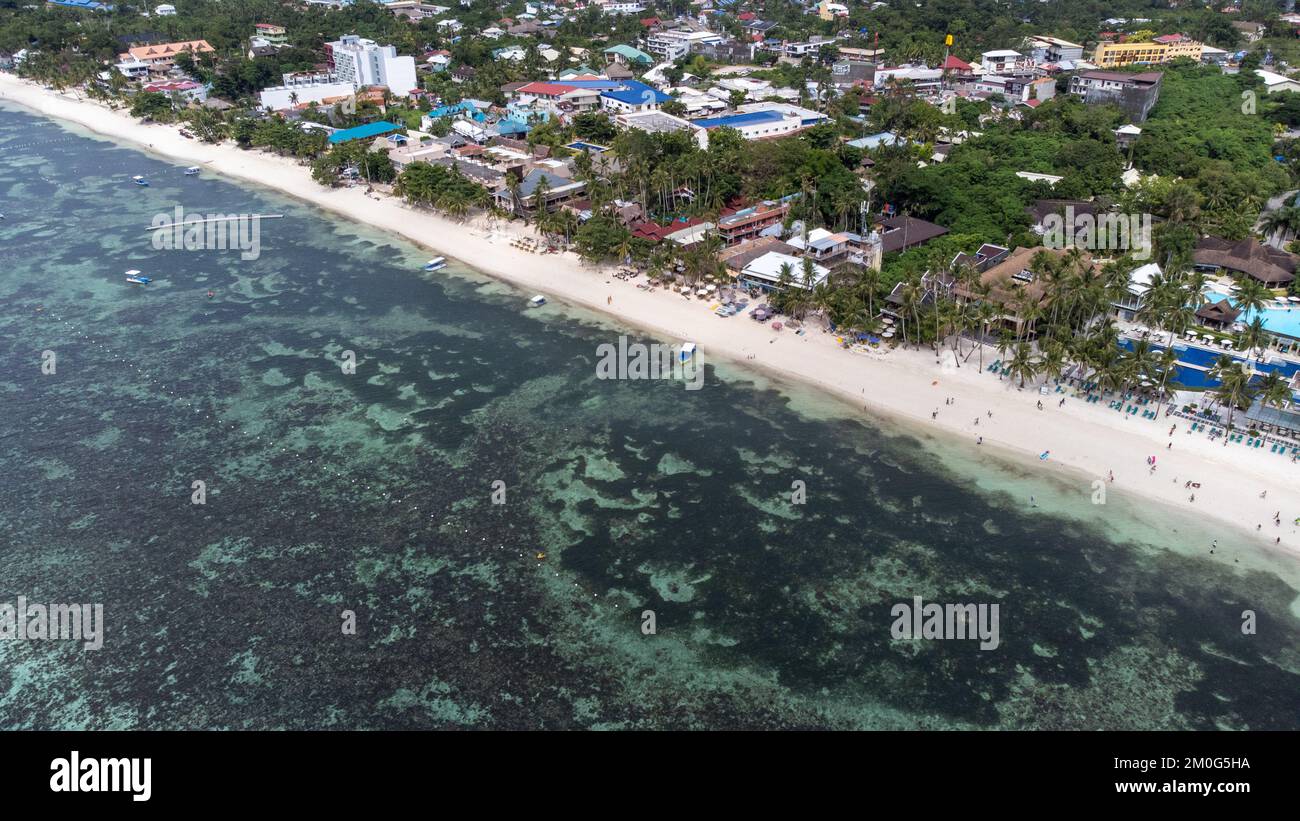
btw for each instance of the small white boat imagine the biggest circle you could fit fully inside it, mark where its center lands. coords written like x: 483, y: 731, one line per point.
x: 137, y: 278
x: 435, y: 263
x: 687, y: 352
x: 139, y: 180
x: 192, y: 171
x: 537, y: 301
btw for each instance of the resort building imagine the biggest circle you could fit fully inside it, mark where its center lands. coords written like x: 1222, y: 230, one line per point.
x: 754, y: 125
x: 1270, y: 266
x: 363, y: 132
x: 657, y: 122
x: 631, y: 96
x: 558, y: 190
x: 1128, y: 304
x: 1053, y: 50
x: 1013, y: 286
x: 673, y: 43
x: 747, y: 223
x: 1135, y: 94
x: 738, y: 256
x: 160, y: 58
x: 185, y: 90
x: 558, y: 97
x: 414, y: 10
x: 828, y: 10
x: 902, y: 232
x: 1159, y: 50
x: 1218, y: 315
x: 273, y: 34
x: 304, y: 87
x: 839, y: 248
x: 628, y: 56
x: 364, y: 63
x: 766, y: 272
x: 1003, y: 61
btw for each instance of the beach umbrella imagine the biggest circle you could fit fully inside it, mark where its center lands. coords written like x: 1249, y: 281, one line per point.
x: 776, y: 325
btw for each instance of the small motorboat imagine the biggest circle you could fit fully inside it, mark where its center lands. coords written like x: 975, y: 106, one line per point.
x: 137, y: 278
x: 139, y: 180
x: 192, y: 171
x: 435, y: 263
x: 687, y: 352
x: 537, y: 301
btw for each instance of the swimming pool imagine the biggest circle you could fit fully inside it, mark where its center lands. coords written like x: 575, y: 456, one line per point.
x: 1278, y: 320
x: 1194, y: 363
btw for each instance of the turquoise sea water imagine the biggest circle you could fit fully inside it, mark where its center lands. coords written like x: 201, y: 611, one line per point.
x: 372, y: 493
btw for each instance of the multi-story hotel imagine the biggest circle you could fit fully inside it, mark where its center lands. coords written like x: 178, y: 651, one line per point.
x: 1159, y: 50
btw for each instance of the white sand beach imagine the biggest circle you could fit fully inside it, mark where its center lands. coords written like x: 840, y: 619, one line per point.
x: 1085, y: 441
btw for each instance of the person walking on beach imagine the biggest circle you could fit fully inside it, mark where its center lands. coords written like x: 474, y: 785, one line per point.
x: 1040, y: 404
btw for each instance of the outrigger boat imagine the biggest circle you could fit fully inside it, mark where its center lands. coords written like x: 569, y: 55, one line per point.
x: 139, y: 180
x: 435, y: 263
x: 192, y: 171
x: 137, y: 278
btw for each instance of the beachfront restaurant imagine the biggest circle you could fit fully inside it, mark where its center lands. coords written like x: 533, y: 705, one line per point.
x: 1283, y: 421
x: 765, y: 272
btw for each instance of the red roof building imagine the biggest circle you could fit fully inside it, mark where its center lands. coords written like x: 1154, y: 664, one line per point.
x: 549, y: 90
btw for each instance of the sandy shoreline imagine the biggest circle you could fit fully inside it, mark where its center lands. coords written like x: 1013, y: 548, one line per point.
x: 1086, y: 441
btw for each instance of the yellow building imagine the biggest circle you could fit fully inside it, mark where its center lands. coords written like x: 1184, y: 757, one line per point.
x: 828, y: 10
x: 1160, y: 50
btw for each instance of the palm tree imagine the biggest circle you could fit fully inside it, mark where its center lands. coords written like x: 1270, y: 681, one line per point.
x: 1023, y: 365
x: 1275, y: 390
x: 910, y: 296
x: 1250, y: 295
x: 985, y: 313
x: 1234, y: 390
x: 1285, y: 220
x: 1254, y: 335
x: 1167, y: 364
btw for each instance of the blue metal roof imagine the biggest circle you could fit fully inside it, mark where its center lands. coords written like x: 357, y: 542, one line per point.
x: 363, y: 131
x: 634, y: 93
x: 90, y: 5
x: 737, y: 120
x: 466, y: 106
